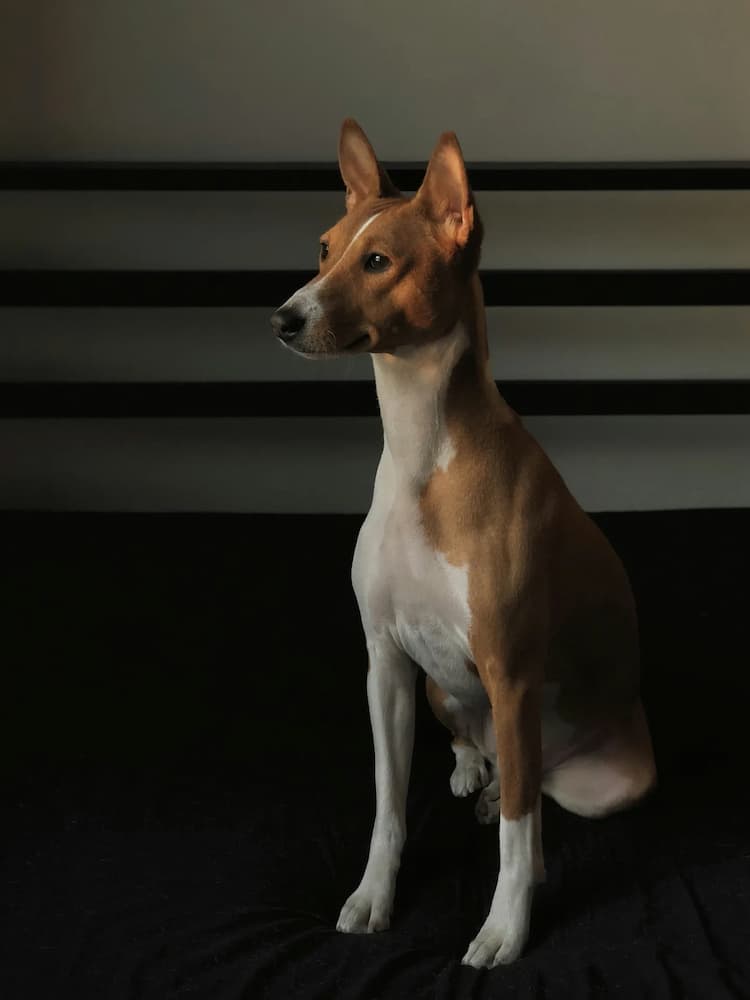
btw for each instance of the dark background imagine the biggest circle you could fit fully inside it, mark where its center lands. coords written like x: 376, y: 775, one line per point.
x: 188, y: 777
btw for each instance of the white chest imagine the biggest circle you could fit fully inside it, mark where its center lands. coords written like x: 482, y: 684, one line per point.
x: 410, y: 592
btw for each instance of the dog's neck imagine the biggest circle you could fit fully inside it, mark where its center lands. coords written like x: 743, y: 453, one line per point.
x: 413, y: 383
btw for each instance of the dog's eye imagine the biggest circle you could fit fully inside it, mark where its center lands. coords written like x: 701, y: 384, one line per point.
x: 376, y: 262
x: 323, y: 251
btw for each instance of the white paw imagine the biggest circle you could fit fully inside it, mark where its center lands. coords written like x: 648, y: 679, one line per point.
x: 492, y: 946
x: 469, y: 774
x: 505, y: 931
x: 365, y: 912
x: 487, y: 809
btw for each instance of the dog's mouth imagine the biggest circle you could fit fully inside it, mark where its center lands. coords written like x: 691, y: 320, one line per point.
x: 357, y: 344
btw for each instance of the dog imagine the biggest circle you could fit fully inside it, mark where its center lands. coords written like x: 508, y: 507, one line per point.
x: 475, y: 563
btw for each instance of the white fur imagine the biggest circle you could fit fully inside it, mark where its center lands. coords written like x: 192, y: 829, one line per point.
x: 390, y: 694
x: 506, y: 928
x: 446, y: 454
x: 405, y: 588
x: 470, y: 773
x: 414, y: 607
x: 352, y: 241
x: 413, y: 603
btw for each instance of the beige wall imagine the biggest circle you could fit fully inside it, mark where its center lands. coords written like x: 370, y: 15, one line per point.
x: 224, y: 79
x: 250, y: 79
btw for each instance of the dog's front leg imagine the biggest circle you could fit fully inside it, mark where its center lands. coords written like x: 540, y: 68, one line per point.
x: 390, y: 693
x: 516, y: 714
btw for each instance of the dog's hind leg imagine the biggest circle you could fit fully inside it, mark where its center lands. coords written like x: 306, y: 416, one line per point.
x: 487, y: 809
x: 610, y: 776
x: 470, y: 773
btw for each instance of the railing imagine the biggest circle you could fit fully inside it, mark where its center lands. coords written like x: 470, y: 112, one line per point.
x: 165, y: 288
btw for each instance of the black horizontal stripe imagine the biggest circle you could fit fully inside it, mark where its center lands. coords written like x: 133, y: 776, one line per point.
x: 270, y: 288
x: 138, y: 176
x: 355, y: 399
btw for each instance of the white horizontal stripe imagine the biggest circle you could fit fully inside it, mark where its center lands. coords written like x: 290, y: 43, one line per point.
x: 327, y: 465
x: 218, y: 344
x: 546, y: 229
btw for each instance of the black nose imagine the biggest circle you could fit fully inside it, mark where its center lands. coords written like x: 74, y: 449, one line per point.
x: 287, y: 323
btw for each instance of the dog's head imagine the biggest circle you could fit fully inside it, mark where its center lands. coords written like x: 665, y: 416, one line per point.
x: 392, y: 270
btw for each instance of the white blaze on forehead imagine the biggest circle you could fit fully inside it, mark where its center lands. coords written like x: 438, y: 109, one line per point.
x: 306, y: 298
x: 354, y: 240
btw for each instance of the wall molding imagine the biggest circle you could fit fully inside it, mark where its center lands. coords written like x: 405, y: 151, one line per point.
x: 20, y: 400
x: 268, y: 288
x: 518, y: 176
x: 506, y: 287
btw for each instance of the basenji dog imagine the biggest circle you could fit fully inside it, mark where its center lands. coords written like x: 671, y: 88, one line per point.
x: 475, y: 563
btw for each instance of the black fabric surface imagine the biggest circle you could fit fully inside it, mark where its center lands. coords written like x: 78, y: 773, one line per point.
x: 188, y: 779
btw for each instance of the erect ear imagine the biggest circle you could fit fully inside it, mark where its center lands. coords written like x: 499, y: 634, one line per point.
x: 445, y: 194
x: 360, y: 170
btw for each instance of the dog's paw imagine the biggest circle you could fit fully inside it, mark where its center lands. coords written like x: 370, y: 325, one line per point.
x: 505, y: 931
x: 492, y: 946
x: 365, y: 912
x: 470, y: 772
x: 487, y: 809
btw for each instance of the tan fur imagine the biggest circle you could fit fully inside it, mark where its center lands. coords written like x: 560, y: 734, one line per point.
x: 474, y: 505
x: 548, y: 596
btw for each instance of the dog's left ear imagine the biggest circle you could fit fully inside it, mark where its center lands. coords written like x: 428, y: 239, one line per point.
x: 445, y: 194
x: 360, y: 170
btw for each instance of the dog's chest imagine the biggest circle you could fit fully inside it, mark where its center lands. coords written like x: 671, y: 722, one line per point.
x: 411, y: 592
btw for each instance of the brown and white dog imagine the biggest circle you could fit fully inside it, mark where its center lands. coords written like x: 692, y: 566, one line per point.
x: 474, y: 563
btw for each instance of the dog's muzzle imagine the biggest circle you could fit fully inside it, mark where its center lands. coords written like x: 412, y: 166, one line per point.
x: 287, y: 323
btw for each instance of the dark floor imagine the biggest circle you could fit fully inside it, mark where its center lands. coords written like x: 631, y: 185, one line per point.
x: 188, y: 794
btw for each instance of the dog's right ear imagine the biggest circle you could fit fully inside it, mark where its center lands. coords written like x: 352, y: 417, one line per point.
x: 362, y: 174
x: 445, y: 193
